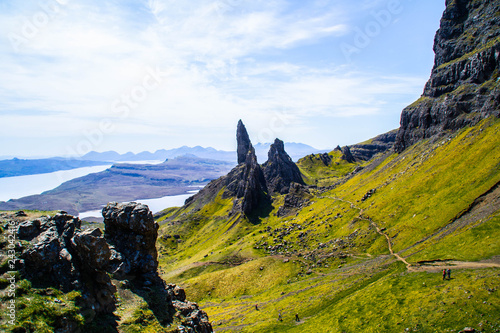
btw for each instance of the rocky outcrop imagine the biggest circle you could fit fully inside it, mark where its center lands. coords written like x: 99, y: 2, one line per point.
x: 346, y: 154
x: 243, y: 142
x: 279, y: 170
x: 248, y: 184
x: 131, y: 231
x: 377, y: 145
x: 464, y: 87
x: 65, y: 257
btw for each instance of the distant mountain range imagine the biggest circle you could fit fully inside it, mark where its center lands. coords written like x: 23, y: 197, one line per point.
x: 21, y: 167
x: 295, y: 150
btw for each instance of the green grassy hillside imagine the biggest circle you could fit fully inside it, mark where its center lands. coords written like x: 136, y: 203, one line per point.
x: 365, y: 256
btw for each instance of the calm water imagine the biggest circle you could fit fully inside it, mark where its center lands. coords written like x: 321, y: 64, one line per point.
x: 155, y: 205
x: 21, y: 186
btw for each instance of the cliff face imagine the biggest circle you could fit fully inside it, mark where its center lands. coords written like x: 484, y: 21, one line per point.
x: 464, y: 85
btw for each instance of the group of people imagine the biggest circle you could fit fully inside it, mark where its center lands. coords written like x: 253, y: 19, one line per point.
x: 446, y: 274
x: 280, y: 318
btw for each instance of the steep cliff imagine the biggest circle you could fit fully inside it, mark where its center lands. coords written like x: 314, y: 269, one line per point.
x: 464, y: 84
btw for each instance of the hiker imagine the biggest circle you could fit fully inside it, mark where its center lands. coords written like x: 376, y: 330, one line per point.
x: 448, y: 273
x: 279, y: 316
x: 256, y: 307
x: 444, y: 274
x: 297, y: 317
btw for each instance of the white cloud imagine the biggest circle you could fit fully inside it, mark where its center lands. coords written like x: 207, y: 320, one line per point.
x: 91, y: 54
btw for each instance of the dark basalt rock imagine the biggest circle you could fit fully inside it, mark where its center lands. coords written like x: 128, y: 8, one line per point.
x: 279, y: 170
x: 347, y: 156
x: 379, y: 144
x: 63, y: 256
x: 463, y: 88
x: 243, y: 141
x: 248, y: 185
x: 245, y: 183
x: 67, y: 258
x: 131, y: 231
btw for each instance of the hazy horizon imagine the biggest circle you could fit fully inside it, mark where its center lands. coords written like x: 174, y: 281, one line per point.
x: 82, y: 76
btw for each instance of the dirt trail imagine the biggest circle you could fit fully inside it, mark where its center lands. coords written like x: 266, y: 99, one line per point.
x: 432, y: 266
x: 436, y: 266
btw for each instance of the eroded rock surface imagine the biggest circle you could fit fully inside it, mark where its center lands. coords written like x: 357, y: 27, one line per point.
x: 131, y: 231
x: 279, y: 170
x: 464, y: 87
x: 63, y: 256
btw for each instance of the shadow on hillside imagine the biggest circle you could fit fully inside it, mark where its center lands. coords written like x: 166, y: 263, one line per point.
x: 103, y: 323
x: 264, y: 210
x: 158, y: 301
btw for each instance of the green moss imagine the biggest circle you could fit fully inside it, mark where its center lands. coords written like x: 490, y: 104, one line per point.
x: 39, y: 311
x: 315, y: 172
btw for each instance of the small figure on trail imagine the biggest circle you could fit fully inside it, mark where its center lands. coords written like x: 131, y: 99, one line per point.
x: 256, y: 307
x: 279, y: 316
x: 448, y: 273
x: 297, y: 317
x: 444, y: 274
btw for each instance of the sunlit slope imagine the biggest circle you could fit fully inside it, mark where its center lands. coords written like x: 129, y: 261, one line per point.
x: 330, y: 262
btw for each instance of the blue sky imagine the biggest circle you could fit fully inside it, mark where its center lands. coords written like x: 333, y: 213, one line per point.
x: 145, y: 75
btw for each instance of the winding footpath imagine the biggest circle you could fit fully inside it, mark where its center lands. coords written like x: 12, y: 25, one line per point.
x: 431, y: 266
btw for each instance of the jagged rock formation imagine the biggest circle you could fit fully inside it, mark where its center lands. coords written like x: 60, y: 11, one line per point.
x: 243, y: 142
x: 131, y: 231
x: 464, y: 84
x: 279, y: 170
x: 346, y: 154
x: 246, y: 182
x: 379, y: 144
x: 65, y: 257
x: 68, y: 258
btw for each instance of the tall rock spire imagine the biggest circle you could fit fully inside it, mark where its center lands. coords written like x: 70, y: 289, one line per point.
x: 243, y: 141
x: 279, y: 170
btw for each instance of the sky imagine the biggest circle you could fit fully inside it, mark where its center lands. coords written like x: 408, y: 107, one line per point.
x: 142, y: 75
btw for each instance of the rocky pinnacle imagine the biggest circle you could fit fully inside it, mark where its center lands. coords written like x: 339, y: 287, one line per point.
x: 243, y: 141
x: 279, y: 170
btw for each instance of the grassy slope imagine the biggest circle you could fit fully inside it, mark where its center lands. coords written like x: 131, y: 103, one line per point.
x: 339, y: 275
